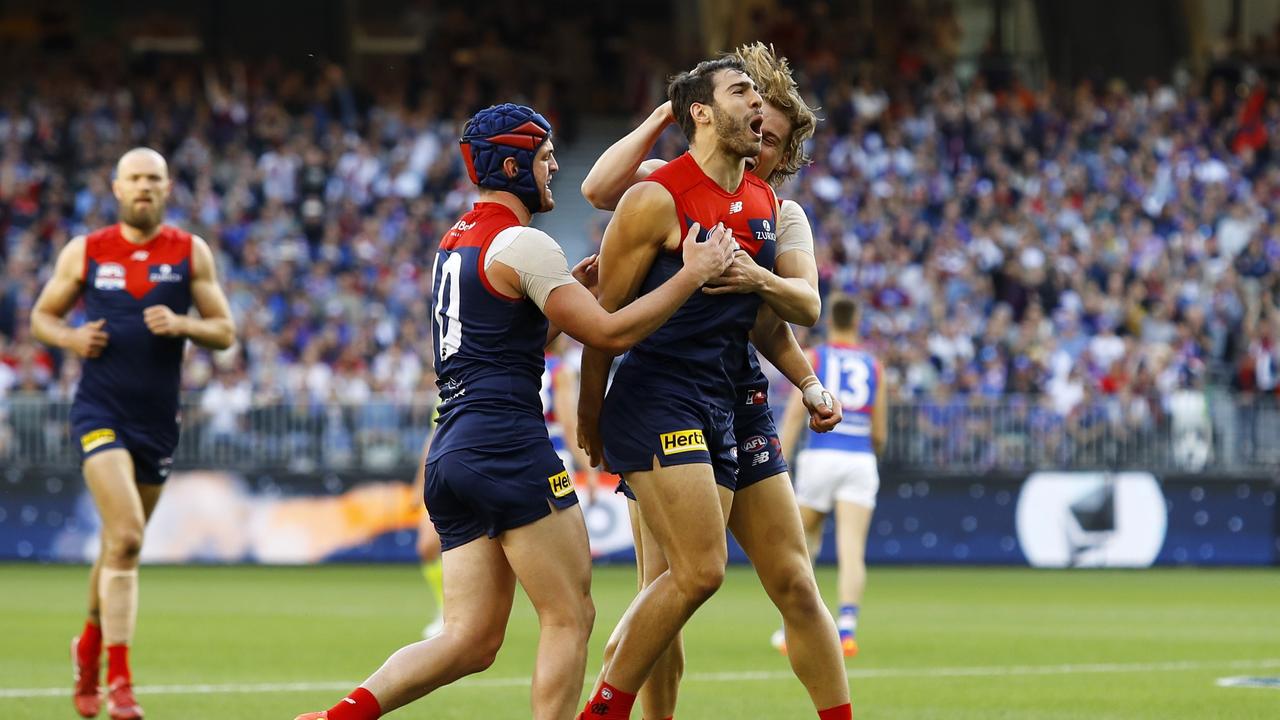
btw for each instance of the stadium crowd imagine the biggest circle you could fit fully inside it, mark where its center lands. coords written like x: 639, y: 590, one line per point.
x: 1091, y: 250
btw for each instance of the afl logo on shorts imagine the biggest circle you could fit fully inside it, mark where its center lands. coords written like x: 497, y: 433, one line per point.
x: 682, y: 441
x: 561, y: 485
x: 110, y: 276
x: 754, y: 443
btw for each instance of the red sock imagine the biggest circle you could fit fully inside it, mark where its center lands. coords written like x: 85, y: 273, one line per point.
x: 609, y: 703
x: 89, y: 647
x: 839, y: 712
x: 359, y: 705
x: 118, y: 664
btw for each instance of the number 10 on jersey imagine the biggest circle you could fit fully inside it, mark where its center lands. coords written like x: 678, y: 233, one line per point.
x: 448, y: 316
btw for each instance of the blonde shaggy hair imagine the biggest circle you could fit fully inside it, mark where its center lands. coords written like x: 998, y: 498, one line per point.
x: 772, y: 75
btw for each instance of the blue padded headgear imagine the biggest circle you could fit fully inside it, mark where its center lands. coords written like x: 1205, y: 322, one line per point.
x: 497, y: 133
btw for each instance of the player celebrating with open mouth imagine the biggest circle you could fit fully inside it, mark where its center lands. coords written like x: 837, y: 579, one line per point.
x: 699, y: 371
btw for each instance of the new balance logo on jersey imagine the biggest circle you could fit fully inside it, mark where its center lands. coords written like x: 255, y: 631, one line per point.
x: 682, y: 441
x: 110, y: 276
x: 735, y: 207
x: 561, y: 485
x: 140, y: 256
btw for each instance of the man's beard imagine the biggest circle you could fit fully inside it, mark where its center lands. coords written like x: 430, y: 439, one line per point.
x: 145, y: 218
x: 734, y: 134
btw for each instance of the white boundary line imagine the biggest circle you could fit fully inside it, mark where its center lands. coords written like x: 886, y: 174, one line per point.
x: 867, y: 674
x: 1246, y: 682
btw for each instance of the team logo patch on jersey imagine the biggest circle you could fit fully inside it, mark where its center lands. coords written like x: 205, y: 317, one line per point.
x: 561, y: 485
x: 95, y: 439
x: 163, y: 274
x: 110, y: 276
x: 682, y: 441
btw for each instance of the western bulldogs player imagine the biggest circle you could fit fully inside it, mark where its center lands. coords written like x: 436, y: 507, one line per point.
x: 765, y: 519
x: 497, y: 492
x: 838, y: 469
x: 667, y: 423
x: 138, y: 278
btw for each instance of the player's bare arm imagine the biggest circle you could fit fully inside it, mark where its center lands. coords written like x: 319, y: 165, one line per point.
x: 623, y: 164
x: 775, y: 341
x: 573, y: 309
x: 880, y: 417
x: 792, y: 288
x: 214, y: 329
x: 587, y: 273
x: 640, y: 228
x: 56, y: 300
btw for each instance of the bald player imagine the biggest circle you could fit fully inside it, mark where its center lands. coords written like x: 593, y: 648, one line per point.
x: 138, y: 279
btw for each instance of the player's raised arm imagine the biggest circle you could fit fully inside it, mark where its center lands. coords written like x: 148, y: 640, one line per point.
x: 623, y: 164
x: 792, y: 288
x: 56, y: 299
x: 214, y: 329
x: 774, y: 339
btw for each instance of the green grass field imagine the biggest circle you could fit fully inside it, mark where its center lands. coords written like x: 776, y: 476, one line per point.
x: 959, y: 644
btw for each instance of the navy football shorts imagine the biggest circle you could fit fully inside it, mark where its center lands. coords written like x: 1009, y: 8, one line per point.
x: 639, y: 423
x: 472, y: 492
x: 759, y: 450
x: 151, y: 449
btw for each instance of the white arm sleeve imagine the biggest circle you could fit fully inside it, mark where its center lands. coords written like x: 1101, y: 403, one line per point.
x: 794, y: 232
x: 536, y: 258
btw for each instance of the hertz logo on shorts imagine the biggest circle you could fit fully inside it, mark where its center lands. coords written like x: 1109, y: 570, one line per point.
x: 561, y: 485
x: 95, y: 439
x: 682, y: 441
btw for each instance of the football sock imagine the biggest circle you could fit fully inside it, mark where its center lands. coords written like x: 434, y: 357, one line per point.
x: 839, y: 712
x: 434, y: 573
x: 118, y: 591
x: 359, y: 705
x: 118, y: 664
x: 609, y: 703
x: 89, y: 647
x: 848, y: 620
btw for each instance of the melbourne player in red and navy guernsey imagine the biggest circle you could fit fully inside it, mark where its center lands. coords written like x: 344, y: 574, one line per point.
x: 667, y: 421
x: 138, y: 279
x: 496, y: 490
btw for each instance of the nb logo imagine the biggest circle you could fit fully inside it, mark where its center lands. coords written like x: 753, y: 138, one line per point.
x: 735, y: 207
x: 682, y: 441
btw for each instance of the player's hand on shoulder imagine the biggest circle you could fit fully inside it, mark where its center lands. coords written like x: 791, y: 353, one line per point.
x: 587, y: 272
x: 742, y: 276
x: 710, y: 258
x: 89, y: 340
x: 163, y: 321
x: 824, y: 408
